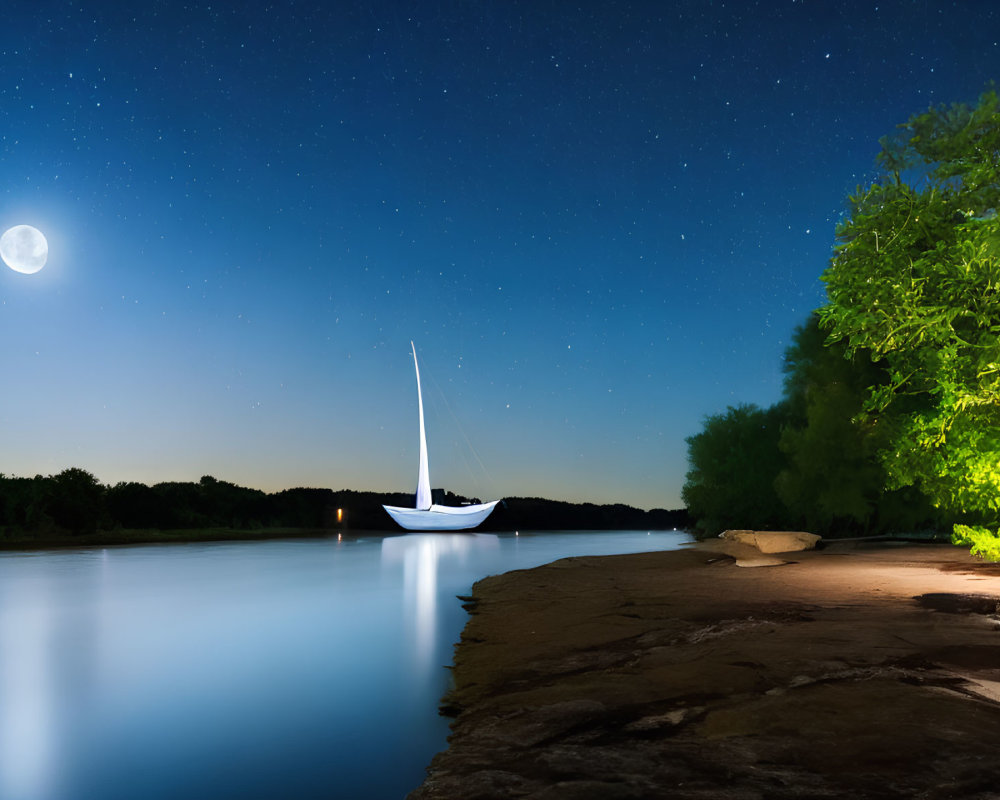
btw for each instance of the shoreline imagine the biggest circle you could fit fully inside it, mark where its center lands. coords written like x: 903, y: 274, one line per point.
x: 863, y: 669
x: 136, y: 536
x: 173, y: 536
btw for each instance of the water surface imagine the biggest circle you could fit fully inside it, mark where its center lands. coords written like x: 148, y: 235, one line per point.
x: 300, y: 669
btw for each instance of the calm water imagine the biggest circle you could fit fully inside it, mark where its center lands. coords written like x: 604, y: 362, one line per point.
x: 298, y: 669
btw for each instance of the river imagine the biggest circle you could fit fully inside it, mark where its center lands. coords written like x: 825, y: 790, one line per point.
x: 293, y: 668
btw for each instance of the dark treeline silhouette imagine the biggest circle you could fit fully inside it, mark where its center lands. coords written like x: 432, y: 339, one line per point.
x: 535, y: 513
x: 74, y: 504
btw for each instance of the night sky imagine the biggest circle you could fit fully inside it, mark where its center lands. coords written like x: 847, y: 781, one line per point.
x: 598, y: 221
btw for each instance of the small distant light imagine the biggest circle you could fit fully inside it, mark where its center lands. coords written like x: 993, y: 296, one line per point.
x: 340, y: 515
x: 516, y: 533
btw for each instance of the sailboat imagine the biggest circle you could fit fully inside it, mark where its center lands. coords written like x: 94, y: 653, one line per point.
x: 428, y: 516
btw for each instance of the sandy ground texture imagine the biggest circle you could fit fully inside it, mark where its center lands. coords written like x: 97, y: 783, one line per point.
x: 855, y: 671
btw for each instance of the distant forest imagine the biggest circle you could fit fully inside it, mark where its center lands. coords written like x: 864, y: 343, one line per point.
x: 75, y: 504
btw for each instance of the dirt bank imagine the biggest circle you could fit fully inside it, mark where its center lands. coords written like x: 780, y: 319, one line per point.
x: 853, y: 671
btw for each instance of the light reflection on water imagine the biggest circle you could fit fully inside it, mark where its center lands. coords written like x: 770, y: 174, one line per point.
x: 423, y: 556
x: 306, y: 669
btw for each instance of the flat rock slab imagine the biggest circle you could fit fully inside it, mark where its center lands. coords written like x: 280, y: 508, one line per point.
x: 846, y: 673
x: 774, y: 541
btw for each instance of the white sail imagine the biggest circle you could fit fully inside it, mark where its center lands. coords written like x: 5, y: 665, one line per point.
x: 427, y: 516
x: 423, y: 474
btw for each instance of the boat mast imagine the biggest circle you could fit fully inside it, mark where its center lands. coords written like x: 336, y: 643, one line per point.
x: 423, y: 502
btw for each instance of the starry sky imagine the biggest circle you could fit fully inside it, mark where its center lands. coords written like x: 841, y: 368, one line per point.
x: 598, y: 221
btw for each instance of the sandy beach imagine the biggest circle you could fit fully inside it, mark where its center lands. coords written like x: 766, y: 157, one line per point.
x: 857, y: 670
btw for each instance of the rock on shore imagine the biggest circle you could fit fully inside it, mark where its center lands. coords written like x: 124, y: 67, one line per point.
x: 863, y: 672
x: 774, y: 541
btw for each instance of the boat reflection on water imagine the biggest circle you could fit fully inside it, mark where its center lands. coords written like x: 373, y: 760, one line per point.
x: 423, y: 557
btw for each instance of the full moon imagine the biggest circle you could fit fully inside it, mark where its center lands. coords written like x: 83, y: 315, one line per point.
x: 24, y: 249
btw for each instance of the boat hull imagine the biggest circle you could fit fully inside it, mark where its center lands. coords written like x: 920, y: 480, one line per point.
x: 441, y: 518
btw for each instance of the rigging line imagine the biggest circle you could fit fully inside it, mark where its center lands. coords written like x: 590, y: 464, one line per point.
x: 433, y: 397
x: 461, y: 430
x: 468, y: 442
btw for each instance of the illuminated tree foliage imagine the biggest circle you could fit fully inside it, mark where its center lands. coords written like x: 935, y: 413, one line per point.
x: 914, y: 285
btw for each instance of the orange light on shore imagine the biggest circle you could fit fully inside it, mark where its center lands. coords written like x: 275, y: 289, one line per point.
x: 340, y: 515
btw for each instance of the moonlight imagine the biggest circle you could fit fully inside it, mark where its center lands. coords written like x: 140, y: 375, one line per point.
x: 24, y: 249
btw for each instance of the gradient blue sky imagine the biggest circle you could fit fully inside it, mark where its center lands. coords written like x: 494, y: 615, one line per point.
x: 599, y: 222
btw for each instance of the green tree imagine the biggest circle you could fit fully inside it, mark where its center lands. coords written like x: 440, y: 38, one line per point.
x: 833, y: 480
x: 24, y: 503
x: 914, y: 284
x: 133, y: 505
x: 76, y: 502
x: 733, y: 464
x: 229, y: 505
